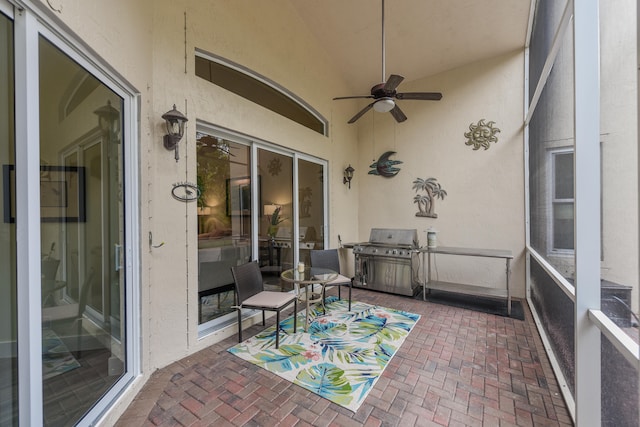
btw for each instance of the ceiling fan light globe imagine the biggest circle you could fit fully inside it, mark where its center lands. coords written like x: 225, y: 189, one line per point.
x: 384, y: 105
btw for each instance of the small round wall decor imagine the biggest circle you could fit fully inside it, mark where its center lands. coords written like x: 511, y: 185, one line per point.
x: 481, y: 135
x: 185, y: 191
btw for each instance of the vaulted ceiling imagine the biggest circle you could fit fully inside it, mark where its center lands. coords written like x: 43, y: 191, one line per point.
x: 423, y: 37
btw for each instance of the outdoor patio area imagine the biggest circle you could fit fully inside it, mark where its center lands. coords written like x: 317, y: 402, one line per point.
x: 457, y: 367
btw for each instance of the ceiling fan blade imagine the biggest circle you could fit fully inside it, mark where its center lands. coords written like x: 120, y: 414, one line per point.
x: 426, y: 96
x: 353, y: 97
x: 361, y: 113
x: 392, y: 82
x: 397, y: 114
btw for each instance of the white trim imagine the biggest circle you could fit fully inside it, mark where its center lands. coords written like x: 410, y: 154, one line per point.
x: 638, y: 130
x: 526, y: 158
x: 527, y: 39
x: 562, y: 283
x: 133, y: 227
x: 6, y: 8
x: 243, y: 138
x: 295, y: 210
x: 255, y: 244
x: 325, y: 194
x: 27, y: 126
x: 256, y: 200
x: 555, y: 366
x: 616, y: 336
x: 588, y: 383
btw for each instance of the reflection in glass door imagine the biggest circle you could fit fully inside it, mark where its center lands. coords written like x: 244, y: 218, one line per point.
x: 275, y: 175
x: 8, y: 321
x: 311, y: 208
x: 82, y: 226
x: 224, y: 221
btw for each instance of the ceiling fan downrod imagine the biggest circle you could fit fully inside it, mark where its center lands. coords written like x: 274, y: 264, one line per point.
x: 384, y: 94
x: 383, y: 79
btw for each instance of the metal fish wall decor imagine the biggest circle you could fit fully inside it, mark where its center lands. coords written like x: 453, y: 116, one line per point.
x: 385, y: 166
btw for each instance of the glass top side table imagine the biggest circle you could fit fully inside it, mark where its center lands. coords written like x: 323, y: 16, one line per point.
x: 309, y: 277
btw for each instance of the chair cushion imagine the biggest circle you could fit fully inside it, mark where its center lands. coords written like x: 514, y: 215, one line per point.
x: 340, y: 280
x: 269, y: 299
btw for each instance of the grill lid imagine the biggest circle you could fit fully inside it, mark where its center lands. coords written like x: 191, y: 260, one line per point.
x: 394, y: 237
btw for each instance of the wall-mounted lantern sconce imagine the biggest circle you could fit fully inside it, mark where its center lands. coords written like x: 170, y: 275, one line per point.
x: 108, y: 121
x: 348, y: 175
x: 175, y: 129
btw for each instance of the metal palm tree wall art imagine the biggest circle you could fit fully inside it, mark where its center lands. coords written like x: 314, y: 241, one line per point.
x: 304, y: 197
x: 428, y: 191
x: 481, y: 135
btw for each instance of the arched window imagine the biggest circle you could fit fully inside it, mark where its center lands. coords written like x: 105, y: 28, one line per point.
x: 258, y: 89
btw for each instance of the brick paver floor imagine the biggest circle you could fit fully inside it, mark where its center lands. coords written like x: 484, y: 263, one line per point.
x: 456, y: 368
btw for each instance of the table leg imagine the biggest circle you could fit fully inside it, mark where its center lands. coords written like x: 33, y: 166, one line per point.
x: 424, y: 279
x: 306, y: 310
x: 508, y: 287
x: 322, y: 295
x: 428, y: 279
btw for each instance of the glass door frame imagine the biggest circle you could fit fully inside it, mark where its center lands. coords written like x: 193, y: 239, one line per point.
x: 324, y: 232
x: 256, y: 210
x: 31, y: 23
x: 210, y: 327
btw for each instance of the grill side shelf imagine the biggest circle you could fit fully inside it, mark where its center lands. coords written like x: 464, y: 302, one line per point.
x: 429, y: 284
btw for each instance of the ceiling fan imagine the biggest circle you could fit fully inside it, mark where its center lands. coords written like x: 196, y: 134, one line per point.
x: 384, y: 93
x: 209, y: 146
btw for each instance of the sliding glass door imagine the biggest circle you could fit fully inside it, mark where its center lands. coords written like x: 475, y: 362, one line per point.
x: 65, y: 296
x: 81, y: 236
x: 276, y: 211
x: 224, y: 221
x: 247, y: 211
x: 310, y: 207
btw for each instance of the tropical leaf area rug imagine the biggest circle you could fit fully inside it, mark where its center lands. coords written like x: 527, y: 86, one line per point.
x: 56, y: 358
x: 340, y: 357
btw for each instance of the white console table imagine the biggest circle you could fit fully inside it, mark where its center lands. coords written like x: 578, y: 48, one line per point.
x: 468, y: 289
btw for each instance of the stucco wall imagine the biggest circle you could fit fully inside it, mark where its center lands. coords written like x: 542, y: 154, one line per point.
x: 619, y: 137
x: 247, y: 34
x: 151, y: 44
x: 484, y: 207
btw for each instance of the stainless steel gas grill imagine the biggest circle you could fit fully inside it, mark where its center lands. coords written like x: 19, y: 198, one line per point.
x: 388, y: 262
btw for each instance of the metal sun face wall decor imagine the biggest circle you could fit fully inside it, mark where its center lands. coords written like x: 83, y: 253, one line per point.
x: 384, y: 166
x: 481, y: 135
x: 428, y: 191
